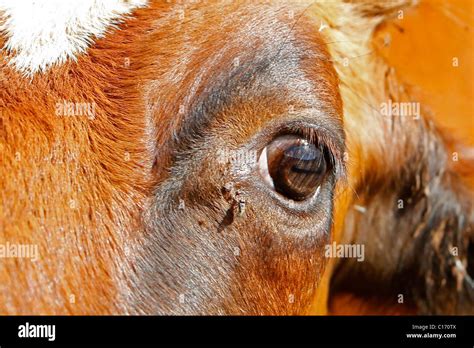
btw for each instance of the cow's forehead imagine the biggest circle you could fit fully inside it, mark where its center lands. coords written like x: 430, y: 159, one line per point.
x: 39, y: 34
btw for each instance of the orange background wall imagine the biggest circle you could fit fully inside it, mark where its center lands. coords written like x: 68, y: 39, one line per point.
x: 423, y: 45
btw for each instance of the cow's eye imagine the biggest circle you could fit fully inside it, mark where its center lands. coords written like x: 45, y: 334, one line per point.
x: 293, y: 166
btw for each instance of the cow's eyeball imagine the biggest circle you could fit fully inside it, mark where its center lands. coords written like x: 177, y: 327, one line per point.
x: 293, y: 166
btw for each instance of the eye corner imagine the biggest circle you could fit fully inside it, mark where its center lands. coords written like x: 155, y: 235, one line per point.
x: 333, y: 147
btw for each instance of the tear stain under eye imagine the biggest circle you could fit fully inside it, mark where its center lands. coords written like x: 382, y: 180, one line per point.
x: 235, y: 197
x: 237, y: 202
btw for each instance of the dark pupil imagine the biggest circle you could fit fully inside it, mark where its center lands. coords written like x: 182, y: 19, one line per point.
x: 297, y: 170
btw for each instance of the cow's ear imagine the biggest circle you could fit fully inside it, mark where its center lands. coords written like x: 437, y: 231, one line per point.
x: 381, y: 8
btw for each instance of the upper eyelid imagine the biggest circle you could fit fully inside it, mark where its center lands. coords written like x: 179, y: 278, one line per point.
x: 329, y: 134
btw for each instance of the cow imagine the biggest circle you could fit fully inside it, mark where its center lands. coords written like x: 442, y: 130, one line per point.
x: 197, y: 157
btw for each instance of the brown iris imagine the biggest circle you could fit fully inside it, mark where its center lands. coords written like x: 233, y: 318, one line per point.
x: 296, y: 166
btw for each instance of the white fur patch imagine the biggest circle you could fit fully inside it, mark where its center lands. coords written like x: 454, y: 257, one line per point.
x: 40, y: 33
